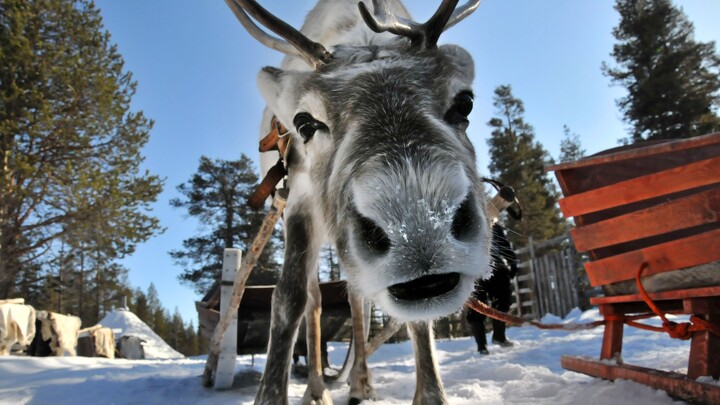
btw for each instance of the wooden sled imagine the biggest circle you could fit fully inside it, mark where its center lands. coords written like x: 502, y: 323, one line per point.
x: 253, y: 324
x: 656, y: 204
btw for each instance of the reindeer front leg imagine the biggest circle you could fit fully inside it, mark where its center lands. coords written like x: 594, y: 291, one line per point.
x: 360, y: 384
x: 428, y: 388
x: 288, y: 303
x: 316, y: 393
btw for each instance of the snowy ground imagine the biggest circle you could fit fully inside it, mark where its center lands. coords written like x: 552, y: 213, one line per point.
x: 528, y: 373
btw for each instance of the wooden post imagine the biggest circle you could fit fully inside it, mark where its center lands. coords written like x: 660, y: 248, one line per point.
x: 225, y: 370
x: 613, y: 334
x: 241, y: 277
x: 537, y: 309
x: 518, y: 298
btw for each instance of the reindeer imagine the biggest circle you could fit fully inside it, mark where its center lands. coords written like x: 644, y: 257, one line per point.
x: 379, y: 164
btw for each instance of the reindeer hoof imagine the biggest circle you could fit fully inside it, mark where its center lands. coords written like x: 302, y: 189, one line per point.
x: 368, y: 393
x: 322, y: 399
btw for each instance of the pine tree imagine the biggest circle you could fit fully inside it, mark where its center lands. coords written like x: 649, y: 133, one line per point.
x: 155, y: 309
x: 329, y: 266
x: 217, y: 196
x: 69, y: 143
x: 139, y: 305
x: 673, y: 81
x: 517, y: 160
x: 192, y: 342
x: 161, y: 322
x: 570, y: 147
x: 177, y: 339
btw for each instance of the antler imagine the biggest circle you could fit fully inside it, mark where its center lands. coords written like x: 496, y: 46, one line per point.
x: 294, y: 43
x: 423, y: 35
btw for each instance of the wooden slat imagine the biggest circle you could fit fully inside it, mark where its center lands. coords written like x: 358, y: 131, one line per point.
x: 674, y: 384
x: 697, y: 209
x: 660, y: 296
x: 641, y: 188
x: 664, y: 147
x: 678, y: 254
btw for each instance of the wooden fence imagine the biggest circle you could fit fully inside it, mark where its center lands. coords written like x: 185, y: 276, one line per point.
x: 548, y: 279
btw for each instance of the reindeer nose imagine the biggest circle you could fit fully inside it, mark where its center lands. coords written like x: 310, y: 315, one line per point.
x: 465, y: 222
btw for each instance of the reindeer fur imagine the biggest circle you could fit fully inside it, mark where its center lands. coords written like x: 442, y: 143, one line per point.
x: 388, y: 180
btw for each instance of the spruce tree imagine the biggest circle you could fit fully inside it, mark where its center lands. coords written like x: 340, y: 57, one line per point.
x: 570, y: 146
x: 517, y: 160
x: 192, y: 342
x: 69, y: 142
x: 217, y: 196
x: 139, y: 306
x: 672, y: 80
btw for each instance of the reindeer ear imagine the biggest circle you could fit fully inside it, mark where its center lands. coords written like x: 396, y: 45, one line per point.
x: 280, y: 89
x: 461, y: 59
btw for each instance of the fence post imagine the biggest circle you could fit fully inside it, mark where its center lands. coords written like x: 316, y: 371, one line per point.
x: 573, y: 260
x: 536, y: 296
x: 225, y: 371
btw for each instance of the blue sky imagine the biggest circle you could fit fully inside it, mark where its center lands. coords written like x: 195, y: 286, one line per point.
x: 196, y: 67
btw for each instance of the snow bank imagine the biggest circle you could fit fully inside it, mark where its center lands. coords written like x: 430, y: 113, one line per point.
x: 131, y: 325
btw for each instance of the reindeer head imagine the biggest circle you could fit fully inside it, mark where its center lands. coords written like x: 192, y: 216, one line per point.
x: 379, y: 144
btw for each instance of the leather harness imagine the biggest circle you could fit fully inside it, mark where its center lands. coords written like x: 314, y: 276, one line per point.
x: 277, y: 139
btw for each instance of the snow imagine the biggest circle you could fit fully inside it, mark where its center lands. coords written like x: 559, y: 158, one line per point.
x: 528, y: 373
x: 130, y: 325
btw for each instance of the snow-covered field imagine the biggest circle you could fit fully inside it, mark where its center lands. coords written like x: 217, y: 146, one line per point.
x: 528, y: 373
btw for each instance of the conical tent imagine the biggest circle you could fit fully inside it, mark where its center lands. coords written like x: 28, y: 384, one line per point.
x: 130, y: 325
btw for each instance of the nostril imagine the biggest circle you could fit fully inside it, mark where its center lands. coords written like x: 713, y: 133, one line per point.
x: 464, y: 223
x: 372, y: 235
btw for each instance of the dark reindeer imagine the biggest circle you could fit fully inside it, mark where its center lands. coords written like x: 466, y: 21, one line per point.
x: 380, y: 166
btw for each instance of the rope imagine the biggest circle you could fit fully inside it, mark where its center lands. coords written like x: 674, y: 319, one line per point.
x: 676, y: 330
x: 684, y: 330
x: 483, y: 308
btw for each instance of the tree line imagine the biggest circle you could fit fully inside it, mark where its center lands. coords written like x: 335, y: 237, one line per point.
x: 182, y: 336
x: 74, y: 200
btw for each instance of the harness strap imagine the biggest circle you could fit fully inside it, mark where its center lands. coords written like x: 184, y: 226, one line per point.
x: 267, y: 186
x: 277, y: 139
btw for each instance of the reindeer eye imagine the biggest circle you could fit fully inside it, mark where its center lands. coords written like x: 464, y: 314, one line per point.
x: 461, y: 108
x: 306, y: 125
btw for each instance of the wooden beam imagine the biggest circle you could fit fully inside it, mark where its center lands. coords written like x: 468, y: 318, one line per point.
x: 660, y: 296
x: 657, y: 149
x: 705, y: 351
x: 677, y: 254
x: 641, y: 188
x: 697, y: 209
x: 676, y: 385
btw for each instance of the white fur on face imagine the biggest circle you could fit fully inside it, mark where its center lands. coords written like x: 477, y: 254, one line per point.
x: 415, y: 206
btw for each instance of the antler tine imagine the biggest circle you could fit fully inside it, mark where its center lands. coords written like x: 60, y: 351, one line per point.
x: 421, y: 35
x: 314, y: 53
x: 463, y: 11
x: 436, y: 24
x: 257, y: 33
x: 384, y: 20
